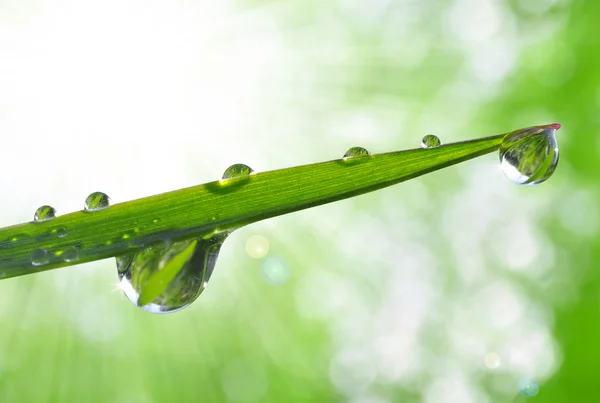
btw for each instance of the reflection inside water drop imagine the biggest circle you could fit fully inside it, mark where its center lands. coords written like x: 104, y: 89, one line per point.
x: 236, y: 171
x: 356, y: 152
x: 44, y: 213
x: 96, y: 201
x: 530, y: 156
x: 431, y: 141
x: 169, y: 276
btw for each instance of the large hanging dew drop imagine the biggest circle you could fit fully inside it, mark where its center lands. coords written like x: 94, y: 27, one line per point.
x: 97, y: 201
x: 431, y: 141
x: 168, y: 277
x: 236, y: 171
x: 356, y: 152
x: 44, y: 213
x: 530, y: 156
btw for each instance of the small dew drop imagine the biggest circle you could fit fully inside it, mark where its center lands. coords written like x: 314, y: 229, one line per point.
x: 39, y: 257
x: 236, y: 171
x: 274, y: 270
x: 530, y: 156
x: 356, y: 152
x: 71, y: 254
x: 97, y: 201
x: 61, y: 232
x: 44, y: 213
x: 528, y: 387
x: 431, y: 141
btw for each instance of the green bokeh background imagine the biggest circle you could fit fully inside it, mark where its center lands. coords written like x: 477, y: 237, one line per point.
x: 395, y: 296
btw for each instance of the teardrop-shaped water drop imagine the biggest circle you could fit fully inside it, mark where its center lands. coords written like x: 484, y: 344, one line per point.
x: 167, y: 277
x: 529, y: 156
x: 97, y: 201
x: 431, y: 141
x: 236, y: 171
x: 39, y: 257
x: 356, y: 152
x: 44, y: 213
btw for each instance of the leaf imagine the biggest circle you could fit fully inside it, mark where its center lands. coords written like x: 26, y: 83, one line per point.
x: 214, y: 207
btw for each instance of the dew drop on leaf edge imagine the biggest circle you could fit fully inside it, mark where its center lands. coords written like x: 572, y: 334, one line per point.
x: 356, y: 152
x: 97, y: 201
x: 44, y: 213
x: 237, y: 171
x: 39, y: 257
x: 530, y: 156
x: 430, y: 141
x: 70, y: 254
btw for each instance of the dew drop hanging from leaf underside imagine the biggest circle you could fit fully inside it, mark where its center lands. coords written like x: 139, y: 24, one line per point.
x: 169, y: 276
x: 530, y: 156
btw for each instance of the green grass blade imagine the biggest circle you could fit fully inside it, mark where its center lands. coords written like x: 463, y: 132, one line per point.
x: 219, y: 206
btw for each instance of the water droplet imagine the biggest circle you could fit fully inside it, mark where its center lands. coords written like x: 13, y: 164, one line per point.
x: 168, y: 277
x: 528, y: 387
x: 274, y: 270
x: 71, y: 254
x: 97, y: 201
x: 236, y: 171
x: 530, y: 156
x: 431, y: 141
x: 44, y: 213
x: 39, y: 257
x: 61, y: 232
x: 356, y: 152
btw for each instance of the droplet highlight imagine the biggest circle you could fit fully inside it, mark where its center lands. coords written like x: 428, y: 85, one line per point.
x: 257, y: 246
x: 492, y: 360
x: 528, y: 387
x: 274, y: 270
x: 97, y: 201
x: 167, y: 277
x: 39, y: 257
x: 431, y: 141
x: 44, y: 213
x: 530, y: 156
x: 237, y: 171
x: 355, y: 152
